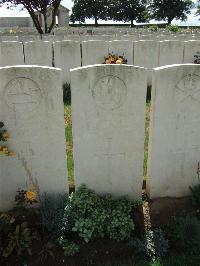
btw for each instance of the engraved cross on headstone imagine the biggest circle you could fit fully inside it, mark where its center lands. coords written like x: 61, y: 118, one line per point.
x: 189, y: 87
x: 110, y: 156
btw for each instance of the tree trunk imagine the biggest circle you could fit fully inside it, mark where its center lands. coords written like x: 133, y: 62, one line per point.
x: 132, y: 25
x: 169, y: 20
x: 45, y: 23
x: 53, y: 22
x: 36, y: 22
x: 96, y: 22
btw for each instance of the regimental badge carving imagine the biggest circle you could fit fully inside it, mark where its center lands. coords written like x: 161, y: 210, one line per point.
x: 23, y: 95
x: 188, y: 87
x: 109, y: 92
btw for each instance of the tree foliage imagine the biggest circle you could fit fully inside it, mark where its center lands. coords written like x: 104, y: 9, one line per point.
x: 130, y: 10
x: 91, y: 9
x: 197, y: 11
x: 42, y: 6
x: 171, y: 9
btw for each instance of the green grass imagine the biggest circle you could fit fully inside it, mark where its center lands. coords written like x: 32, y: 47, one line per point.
x: 146, y: 142
x: 69, y: 144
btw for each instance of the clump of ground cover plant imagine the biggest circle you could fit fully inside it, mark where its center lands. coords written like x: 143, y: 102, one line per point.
x: 66, y: 225
x: 154, y: 244
x: 90, y: 216
x: 185, y: 234
x: 15, y: 232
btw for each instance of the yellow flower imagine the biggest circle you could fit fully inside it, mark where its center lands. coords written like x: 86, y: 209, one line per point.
x: 31, y: 196
x: 6, y: 135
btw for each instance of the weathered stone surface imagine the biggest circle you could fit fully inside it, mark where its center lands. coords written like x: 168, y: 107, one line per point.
x: 32, y: 110
x: 174, y: 141
x: 11, y: 53
x: 171, y: 52
x: 191, y: 49
x: 108, y: 106
x: 93, y: 52
x: 146, y: 54
x: 9, y: 38
x: 38, y: 53
x: 67, y: 55
x: 123, y: 48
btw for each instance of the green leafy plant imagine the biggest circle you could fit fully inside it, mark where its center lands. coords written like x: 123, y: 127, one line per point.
x: 15, y: 237
x: 93, y: 216
x: 19, y: 240
x: 157, y: 244
x: 196, y: 195
x: 156, y: 262
x: 70, y: 248
x: 196, y: 189
x: 173, y: 28
x: 52, y: 212
x: 153, y: 28
x: 46, y: 252
x: 120, y: 224
x: 181, y: 260
x: 186, y: 233
x: 154, y: 244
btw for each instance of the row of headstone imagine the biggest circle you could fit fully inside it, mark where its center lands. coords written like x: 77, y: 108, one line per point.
x: 128, y: 37
x: 80, y: 31
x: 108, y: 104
x: 72, y: 54
x: 148, y: 54
x: 108, y: 115
x: 118, y: 37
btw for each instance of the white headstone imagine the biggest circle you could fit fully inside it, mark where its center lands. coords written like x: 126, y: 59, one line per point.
x: 9, y: 38
x: 31, y: 107
x: 108, y: 107
x: 29, y: 38
x: 67, y: 55
x: 11, y: 53
x: 171, y: 52
x: 93, y: 52
x: 191, y: 49
x: 48, y: 38
x: 174, y: 142
x: 38, y: 53
x: 146, y: 54
x: 123, y: 48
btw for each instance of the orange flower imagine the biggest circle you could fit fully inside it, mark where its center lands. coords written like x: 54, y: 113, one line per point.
x: 31, y: 196
x: 5, y: 135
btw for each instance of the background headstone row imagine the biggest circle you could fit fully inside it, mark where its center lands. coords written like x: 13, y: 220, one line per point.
x: 71, y: 54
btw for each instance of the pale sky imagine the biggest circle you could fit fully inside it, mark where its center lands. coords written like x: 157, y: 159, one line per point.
x: 17, y: 12
x: 4, y: 12
x: 67, y: 3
